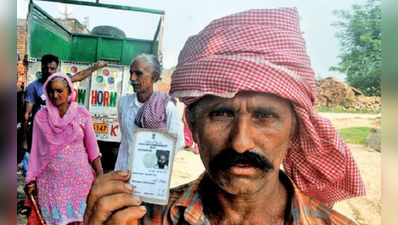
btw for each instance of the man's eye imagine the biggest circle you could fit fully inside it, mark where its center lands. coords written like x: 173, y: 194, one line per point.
x: 220, y: 114
x: 264, y: 115
x: 137, y: 73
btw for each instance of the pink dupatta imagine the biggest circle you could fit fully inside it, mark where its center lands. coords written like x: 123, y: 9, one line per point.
x: 51, y: 133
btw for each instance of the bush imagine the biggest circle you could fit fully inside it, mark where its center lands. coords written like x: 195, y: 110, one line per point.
x: 355, y: 135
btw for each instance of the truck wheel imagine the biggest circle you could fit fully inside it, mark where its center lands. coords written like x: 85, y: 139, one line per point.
x: 108, y: 31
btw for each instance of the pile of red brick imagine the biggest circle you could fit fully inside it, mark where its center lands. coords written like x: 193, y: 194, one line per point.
x: 333, y: 93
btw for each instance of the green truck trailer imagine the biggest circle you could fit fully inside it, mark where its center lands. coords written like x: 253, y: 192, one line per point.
x: 101, y: 92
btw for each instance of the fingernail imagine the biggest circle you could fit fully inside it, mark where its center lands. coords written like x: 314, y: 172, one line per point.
x: 129, y: 187
x: 142, y: 208
x: 137, y: 199
x: 124, y: 173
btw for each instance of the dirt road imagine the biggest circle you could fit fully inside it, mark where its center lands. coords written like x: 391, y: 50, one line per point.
x: 345, y: 120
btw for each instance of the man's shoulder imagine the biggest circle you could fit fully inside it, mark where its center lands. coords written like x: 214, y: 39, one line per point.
x: 333, y: 216
x: 36, y: 82
x: 34, y: 85
x: 305, y: 210
x: 127, y: 98
x: 171, y: 105
x: 315, y: 212
x: 326, y: 214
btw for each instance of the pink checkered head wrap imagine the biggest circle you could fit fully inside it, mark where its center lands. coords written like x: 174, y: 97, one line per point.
x: 263, y: 50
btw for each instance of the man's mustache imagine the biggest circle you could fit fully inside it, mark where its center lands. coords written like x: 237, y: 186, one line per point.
x: 229, y: 158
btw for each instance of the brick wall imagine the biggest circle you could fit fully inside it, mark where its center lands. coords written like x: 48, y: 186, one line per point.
x: 21, y: 47
x: 164, y: 84
x: 74, y: 26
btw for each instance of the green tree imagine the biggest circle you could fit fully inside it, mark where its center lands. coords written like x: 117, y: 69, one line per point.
x: 360, y: 39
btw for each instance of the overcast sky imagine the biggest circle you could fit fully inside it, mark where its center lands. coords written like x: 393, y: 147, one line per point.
x: 185, y: 18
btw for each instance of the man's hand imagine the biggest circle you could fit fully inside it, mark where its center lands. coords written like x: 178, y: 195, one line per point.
x: 101, y: 64
x: 87, y: 72
x: 24, y: 145
x: 111, y: 201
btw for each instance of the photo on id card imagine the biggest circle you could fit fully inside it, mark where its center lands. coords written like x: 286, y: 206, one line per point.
x: 151, y: 163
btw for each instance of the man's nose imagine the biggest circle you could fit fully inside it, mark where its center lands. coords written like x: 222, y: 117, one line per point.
x: 242, y: 135
x: 133, y: 77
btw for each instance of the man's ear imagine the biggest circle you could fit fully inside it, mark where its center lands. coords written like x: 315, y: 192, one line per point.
x: 190, y: 122
x: 155, y: 76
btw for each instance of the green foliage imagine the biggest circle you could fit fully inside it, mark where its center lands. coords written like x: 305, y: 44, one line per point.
x: 342, y: 110
x: 360, y: 38
x: 355, y: 135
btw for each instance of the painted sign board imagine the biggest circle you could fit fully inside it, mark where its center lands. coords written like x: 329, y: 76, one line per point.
x: 82, y: 88
x: 106, y: 85
x: 107, y: 129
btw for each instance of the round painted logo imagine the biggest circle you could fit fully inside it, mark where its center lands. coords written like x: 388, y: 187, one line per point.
x: 111, y: 80
x: 150, y: 160
x: 38, y: 74
x: 73, y: 69
x: 105, y: 72
x: 100, y: 79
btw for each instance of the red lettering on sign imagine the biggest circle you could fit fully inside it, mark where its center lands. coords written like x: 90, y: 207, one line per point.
x: 76, y: 94
x: 93, y: 97
x: 113, y: 130
x: 106, y: 98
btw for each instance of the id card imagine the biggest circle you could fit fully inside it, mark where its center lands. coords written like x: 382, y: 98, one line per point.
x: 151, y: 162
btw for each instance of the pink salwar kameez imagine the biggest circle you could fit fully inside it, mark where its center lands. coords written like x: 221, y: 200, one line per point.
x: 63, y: 150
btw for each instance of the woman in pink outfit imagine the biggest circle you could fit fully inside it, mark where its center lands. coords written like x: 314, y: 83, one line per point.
x: 65, y: 157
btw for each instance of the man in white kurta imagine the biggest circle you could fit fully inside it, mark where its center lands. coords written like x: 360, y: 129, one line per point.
x: 145, y: 108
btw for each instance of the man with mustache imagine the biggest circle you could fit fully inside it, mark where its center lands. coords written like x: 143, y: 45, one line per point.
x: 250, y: 91
x: 163, y: 161
x: 145, y: 108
